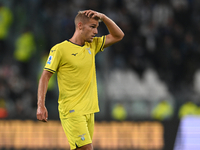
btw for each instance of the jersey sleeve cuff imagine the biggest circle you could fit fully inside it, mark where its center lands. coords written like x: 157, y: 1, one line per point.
x: 101, y: 49
x: 50, y: 70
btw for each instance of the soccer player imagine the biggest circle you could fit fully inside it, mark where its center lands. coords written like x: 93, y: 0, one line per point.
x: 74, y: 62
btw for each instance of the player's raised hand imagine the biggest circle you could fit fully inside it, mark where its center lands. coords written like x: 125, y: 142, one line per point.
x: 93, y: 14
x: 42, y: 113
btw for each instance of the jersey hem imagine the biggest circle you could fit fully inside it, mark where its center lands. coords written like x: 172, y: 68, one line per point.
x: 84, y: 144
x: 71, y: 116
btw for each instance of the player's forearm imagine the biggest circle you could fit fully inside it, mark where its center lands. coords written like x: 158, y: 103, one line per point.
x: 42, y: 89
x: 113, y: 29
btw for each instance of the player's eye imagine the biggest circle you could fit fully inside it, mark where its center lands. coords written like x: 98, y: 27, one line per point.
x: 92, y: 26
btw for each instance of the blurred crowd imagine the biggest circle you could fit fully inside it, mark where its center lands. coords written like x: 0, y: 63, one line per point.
x: 150, y: 74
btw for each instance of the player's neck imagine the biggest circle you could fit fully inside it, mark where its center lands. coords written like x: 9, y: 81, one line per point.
x: 76, y: 39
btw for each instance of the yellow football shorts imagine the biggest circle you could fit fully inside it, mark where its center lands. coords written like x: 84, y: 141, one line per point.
x: 79, y: 130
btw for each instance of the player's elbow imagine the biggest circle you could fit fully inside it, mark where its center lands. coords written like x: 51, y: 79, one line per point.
x: 119, y: 37
x: 112, y: 39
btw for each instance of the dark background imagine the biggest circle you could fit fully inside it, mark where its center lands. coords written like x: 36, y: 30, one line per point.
x: 157, y: 61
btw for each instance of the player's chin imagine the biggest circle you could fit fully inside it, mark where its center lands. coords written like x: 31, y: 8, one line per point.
x: 90, y: 40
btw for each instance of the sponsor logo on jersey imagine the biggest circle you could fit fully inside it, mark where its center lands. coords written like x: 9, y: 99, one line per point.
x: 74, y: 54
x: 49, y: 59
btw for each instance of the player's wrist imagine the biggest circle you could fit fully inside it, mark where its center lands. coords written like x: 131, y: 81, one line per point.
x: 102, y: 17
x: 40, y: 104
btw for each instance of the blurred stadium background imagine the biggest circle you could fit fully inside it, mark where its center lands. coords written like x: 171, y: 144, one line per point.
x: 149, y: 83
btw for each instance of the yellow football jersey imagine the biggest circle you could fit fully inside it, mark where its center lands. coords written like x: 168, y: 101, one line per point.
x: 76, y: 74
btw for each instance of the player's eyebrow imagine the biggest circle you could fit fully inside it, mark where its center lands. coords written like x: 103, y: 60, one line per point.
x: 94, y: 25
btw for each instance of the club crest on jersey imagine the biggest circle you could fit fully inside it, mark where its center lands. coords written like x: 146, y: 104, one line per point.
x: 82, y: 137
x: 49, y: 59
x: 89, y: 50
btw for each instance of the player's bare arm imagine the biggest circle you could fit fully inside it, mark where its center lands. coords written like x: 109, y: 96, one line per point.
x: 42, y: 113
x: 115, y: 33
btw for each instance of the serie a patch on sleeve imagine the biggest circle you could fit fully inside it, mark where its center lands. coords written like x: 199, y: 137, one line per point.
x: 49, y: 59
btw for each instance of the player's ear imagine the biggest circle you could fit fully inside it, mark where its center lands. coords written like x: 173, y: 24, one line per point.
x: 80, y: 25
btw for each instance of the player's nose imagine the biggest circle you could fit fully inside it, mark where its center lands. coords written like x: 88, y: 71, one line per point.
x: 95, y: 31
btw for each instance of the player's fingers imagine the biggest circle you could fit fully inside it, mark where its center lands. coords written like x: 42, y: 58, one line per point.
x: 42, y: 115
x: 46, y: 116
x: 86, y: 12
x: 95, y: 15
x: 43, y: 119
x: 39, y: 116
x: 90, y: 13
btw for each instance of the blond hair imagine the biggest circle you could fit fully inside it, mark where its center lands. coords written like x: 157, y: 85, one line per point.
x: 81, y: 17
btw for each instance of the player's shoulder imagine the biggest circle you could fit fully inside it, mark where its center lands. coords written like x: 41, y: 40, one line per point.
x: 60, y: 46
x: 99, y: 39
x: 96, y: 40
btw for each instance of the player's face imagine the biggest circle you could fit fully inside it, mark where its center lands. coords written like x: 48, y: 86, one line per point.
x: 90, y: 30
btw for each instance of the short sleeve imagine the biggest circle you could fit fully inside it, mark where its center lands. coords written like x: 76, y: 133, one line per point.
x: 99, y: 42
x: 53, y: 60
